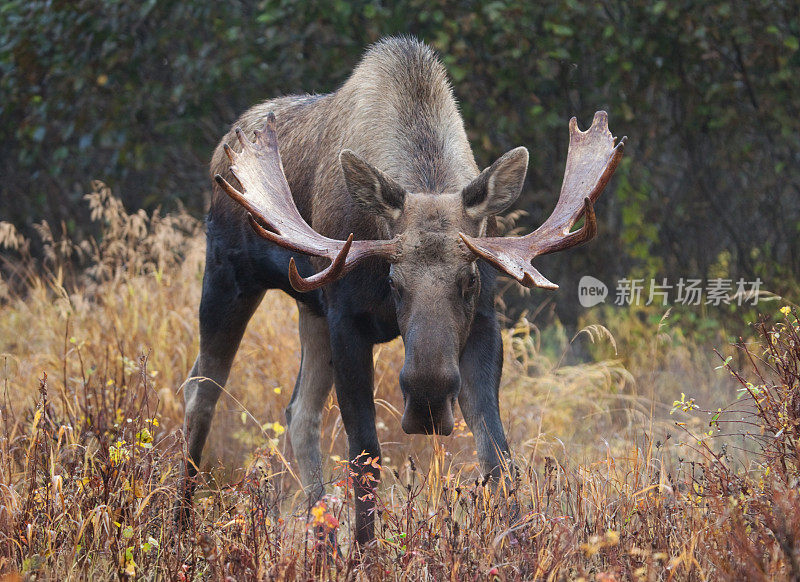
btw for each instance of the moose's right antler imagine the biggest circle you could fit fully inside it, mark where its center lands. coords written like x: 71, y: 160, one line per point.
x: 267, y: 197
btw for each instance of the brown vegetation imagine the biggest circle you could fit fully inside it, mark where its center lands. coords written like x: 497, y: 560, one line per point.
x: 610, y: 486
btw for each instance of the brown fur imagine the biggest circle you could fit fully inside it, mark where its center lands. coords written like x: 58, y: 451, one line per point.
x: 386, y: 155
x: 410, y: 173
x: 396, y: 111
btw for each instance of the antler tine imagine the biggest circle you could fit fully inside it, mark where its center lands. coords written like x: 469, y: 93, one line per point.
x: 268, y: 200
x: 335, y: 270
x: 592, y: 158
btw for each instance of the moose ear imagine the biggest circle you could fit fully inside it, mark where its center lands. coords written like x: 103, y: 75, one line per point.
x: 498, y: 186
x: 371, y: 188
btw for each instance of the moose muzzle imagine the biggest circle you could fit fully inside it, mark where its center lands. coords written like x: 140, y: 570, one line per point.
x: 429, y: 402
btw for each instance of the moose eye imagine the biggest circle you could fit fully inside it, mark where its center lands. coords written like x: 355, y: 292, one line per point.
x: 396, y: 290
x: 468, y: 285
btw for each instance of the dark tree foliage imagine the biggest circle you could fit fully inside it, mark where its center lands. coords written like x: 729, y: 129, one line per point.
x: 138, y: 93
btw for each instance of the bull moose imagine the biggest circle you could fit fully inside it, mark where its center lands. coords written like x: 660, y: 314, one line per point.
x: 385, y: 223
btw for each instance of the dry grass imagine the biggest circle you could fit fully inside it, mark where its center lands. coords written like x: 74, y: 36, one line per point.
x: 609, y: 487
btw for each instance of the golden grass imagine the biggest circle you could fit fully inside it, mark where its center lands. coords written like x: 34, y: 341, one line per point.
x: 92, y: 364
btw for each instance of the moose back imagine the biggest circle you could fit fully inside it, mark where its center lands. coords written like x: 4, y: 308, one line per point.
x: 377, y: 220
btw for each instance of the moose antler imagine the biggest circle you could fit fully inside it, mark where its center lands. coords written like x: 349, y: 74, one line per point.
x: 591, y: 160
x: 268, y: 199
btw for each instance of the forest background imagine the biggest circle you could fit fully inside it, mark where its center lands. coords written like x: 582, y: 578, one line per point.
x: 137, y: 94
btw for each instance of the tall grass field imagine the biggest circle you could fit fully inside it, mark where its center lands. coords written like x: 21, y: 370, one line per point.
x: 640, y: 452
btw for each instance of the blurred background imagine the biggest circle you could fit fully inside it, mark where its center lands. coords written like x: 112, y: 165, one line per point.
x: 137, y: 94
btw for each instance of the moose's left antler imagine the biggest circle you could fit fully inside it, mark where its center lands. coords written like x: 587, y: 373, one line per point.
x: 591, y: 160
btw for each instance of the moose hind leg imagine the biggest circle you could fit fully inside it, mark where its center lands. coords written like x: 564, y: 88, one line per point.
x: 304, y: 413
x: 224, y: 313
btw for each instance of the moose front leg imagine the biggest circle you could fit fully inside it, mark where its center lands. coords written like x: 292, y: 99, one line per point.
x: 353, y: 373
x: 481, y: 365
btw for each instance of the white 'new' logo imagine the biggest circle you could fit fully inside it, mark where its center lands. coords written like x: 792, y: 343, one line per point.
x: 591, y: 291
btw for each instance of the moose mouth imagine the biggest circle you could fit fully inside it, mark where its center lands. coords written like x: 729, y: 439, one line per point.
x: 428, y: 417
